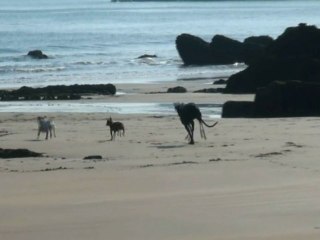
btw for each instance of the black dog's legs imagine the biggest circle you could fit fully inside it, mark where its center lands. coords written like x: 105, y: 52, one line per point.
x: 190, y: 128
x: 192, y: 131
x: 111, y: 134
x: 202, y: 132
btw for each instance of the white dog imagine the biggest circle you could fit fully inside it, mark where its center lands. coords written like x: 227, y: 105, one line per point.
x: 46, y: 125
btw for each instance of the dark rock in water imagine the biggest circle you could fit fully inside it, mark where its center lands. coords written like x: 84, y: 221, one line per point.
x: 49, y: 97
x: 75, y: 97
x: 279, y: 99
x: 294, y: 55
x: 63, y: 97
x: 32, y: 97
x: 37, y: 54
x: 270, y: 69
x: 302, y: 40
x: 93, y: 157
x: 262, y: 41
x: 221, y: 50
x: 255, y: 48
x: 234, y: 109
x: 220, y: 81
x: 4, y: 96
x: 210, y: 90
x: 226, y: 50
x: 193, y: 50
x: 18, y: 153
x: 60, y: 92
x: 177, y: 89
x: 147, y: 56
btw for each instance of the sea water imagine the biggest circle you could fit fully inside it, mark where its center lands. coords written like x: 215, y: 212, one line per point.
x: 99, y: 41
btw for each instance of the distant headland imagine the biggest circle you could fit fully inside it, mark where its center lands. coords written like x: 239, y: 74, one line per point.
x: 179, y: 0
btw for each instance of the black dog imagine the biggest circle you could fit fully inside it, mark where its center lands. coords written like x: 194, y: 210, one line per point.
x: 187, y: 113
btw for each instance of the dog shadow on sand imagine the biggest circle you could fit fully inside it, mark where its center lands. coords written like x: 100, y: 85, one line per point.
x: 35, y: 140
x: 168, y: 146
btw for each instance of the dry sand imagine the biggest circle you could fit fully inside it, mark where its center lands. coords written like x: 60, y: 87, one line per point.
x: 251, y: 179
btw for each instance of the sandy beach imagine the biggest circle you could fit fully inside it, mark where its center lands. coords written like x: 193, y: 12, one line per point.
x: 251, y: 179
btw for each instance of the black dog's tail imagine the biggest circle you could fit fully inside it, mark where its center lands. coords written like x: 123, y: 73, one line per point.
x: 207, y: 125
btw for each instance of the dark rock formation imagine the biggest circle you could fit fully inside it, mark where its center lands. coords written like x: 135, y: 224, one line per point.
x: 279, y: 99
x: 234, y: 109
x: 254, y: 48
x: 270, y: 69
x: 262, y: 41
x: 225, y: 50
x: 210, y: 90
x: 294, y: 55
x: 220, y: 81
x: 37, y: 54
x: 193, y: 50
x: 288, y: 99
x: 147, y: 56
x: 302, y: 40
x: 18, y: 153
x: 177, y: 89
x: 75, y: 97
x: 221, y: 50
x: 58, y: 92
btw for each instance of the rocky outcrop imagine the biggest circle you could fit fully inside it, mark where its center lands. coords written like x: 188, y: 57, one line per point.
x: 288, y: 99
x: 147, y: 56
x: 302, y: 40
x: 221, y: 49
x: 225, y: 50
x: 262, y: 41
x: 269, y: 69
x: 210, y: 90
x: 279, y: 99
x: 294, y: 55
x: 220, y: 82
x: 57, y: 92
x: 37, y: 54
x: 177, y: 89
x: 254, y: 48
x: 193, y: 50
x: 238, y: 109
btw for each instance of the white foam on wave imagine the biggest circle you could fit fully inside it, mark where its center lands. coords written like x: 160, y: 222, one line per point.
x: 89, y: 63
x: 38, y: 69
x: 208, y: 110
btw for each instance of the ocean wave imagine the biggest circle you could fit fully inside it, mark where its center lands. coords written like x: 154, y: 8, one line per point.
x: 8, y: 50
x: 31, y: 69
x: 64, y: 47
x: 89, y: 63
x: 7, y: 58
x: 210, y: 110
x: 153, y: 61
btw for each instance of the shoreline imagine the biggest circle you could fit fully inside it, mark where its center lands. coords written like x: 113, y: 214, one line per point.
x: 138, y: 95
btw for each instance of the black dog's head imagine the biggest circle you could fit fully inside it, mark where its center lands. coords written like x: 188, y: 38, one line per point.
x: 178, y: 107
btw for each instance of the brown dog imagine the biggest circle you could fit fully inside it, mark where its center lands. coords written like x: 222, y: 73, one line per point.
x: 115, y: 127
